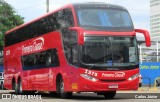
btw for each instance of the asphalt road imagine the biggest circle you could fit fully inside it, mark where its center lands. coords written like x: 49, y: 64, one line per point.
x: 125, y: 96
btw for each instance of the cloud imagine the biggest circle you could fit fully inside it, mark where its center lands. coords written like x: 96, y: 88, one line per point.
x: 29, y: 9
x: 54, y: 6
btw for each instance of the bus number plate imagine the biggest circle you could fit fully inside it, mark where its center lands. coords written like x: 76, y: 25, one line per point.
x: 111, y: 86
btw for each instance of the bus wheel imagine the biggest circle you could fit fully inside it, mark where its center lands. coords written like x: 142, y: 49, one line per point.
x: 54, y: 94
x: 19, y: 87
x: 2, y: 86
x: 14, y: 87
x: 109, y: 95
x: 60, y: 90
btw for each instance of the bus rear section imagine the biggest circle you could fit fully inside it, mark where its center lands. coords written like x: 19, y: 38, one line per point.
x: 94, y: 49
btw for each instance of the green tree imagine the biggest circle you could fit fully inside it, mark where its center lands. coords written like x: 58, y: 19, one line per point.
x: 8, y: 20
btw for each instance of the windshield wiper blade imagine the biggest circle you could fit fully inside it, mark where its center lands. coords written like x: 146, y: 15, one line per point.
x: 94, y: 65
x: 132, y: 64
x: 91, y: 66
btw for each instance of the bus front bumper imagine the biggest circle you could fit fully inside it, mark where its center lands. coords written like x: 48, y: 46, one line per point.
x: 99, y: 86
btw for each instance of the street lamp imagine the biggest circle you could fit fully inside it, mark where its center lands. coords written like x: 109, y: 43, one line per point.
x: 47, y: 5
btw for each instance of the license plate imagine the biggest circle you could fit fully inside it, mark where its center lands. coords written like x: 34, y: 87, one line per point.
x: 113, y: 86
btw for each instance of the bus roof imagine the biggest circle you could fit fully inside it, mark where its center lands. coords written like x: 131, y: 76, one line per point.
x: 98, y: 4
x: 86, y: 4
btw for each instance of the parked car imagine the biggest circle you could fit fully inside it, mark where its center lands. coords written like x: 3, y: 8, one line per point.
x: 158, y: 81
x: 140, y: 80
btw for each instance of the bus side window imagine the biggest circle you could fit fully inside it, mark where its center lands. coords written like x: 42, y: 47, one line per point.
x: 27, y: 62
x: 54, y: 21
x: 40, y: 60
x: 48, y: 59
x: 74, y: 54
x: 55, y: 59
x: 65, y: 18
x: 52, y: 58
x: 69, y: 20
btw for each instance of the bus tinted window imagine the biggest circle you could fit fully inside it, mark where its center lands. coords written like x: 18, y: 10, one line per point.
x: 39, y: 60
x: 112, y: 51
x: 45, y: 25
x: 107, y: 19
x: 70, y: 44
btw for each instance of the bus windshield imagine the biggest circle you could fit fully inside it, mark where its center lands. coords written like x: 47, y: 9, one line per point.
x: 105, y: 19
x: 109, y: 51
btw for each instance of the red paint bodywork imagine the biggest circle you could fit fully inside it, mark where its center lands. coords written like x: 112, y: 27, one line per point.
x: 45, y: 79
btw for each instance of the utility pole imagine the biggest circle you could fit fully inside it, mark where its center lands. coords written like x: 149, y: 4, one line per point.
x: 47, y: 5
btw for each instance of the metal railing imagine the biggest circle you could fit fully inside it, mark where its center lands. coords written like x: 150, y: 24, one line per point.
x: 149, y: 79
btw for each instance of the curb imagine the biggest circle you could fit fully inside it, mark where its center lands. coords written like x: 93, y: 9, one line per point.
x: 150, y: 89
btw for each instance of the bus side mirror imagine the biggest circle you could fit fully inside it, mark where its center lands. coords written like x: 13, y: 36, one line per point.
x: 80, y: 33
x: 146, y: 35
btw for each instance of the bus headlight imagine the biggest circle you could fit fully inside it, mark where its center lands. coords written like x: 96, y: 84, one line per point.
x: 133, y: 77
x: 89, y: 77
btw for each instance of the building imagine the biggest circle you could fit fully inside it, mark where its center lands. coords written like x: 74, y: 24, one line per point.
x: 152, y: 54
x: 155, y: 18
x: 155, y: 26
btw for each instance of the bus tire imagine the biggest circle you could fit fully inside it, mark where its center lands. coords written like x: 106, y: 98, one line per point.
x: 140, y: 84
x: 60, y: 90
x: 2, y: 86
x: 19, y: 87
x: 109, y: 95
x: 54, y: 94
x: 14, y: 86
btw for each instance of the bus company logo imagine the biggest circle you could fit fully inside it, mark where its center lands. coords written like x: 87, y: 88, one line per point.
x: 35, y: 45
x: 8, y: 52
x: 114, y: 75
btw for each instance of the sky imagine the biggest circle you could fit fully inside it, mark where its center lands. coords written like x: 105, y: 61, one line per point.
x: 31, y: 9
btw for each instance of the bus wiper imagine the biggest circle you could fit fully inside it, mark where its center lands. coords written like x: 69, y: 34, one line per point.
x: 131, y: 64
x: 94, y: 65
x: 91, y: 66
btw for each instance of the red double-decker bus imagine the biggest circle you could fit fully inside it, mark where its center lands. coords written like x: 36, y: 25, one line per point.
x: 81, y: 47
